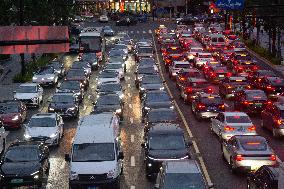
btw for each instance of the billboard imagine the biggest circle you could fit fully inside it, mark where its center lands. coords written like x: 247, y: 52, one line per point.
x: 33, y: 39
x: 230, y: 4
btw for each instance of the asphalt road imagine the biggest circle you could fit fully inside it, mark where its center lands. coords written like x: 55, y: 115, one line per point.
x: 206, y: 143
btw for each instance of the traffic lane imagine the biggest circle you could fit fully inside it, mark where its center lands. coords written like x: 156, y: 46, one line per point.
x: 132, y: 135
x: 208, y: 143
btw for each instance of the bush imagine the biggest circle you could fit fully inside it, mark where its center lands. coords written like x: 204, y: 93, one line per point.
x: 33, y: 67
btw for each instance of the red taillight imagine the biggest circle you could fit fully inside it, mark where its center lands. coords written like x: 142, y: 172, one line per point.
x: 255, y: 68
x: 248, y: 87
x: 222, y: 106
x: 240, y: 68
x: 239, y: 157
x: 182, y: 78
x: 229, y: 128
x: 229, y: 74
x: 269, y: 102
x: 270, y: 88
x: 279, y: 121
x: 252, y: 128
x: 200, y: 106
x: 168, y: 61
x: 212, y: 74
x: 247, y: 102
x: 273, y: 157
x: 210, y: 90
x: 189, y: 90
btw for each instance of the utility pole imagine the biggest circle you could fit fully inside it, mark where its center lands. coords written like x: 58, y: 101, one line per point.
x: 21, y: 19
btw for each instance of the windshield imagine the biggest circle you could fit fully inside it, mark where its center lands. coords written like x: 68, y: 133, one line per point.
x: 151, y: 79
x: 157, y: 115
x: 108, y: 100
x: 94, y: 152
x: 184, y: 181
x: 175, y: 50
x: 158, y: 97
x: 89, y: 56
x: 166, y: 142
x: 113, y: 66
x: 63, y: 99
x: 240, y: 57
x: 110, y: 87
x: 277, y: 82
x: 76, y: 72
x: 260, y: 95
x: 70, y: 85
x: 80, y: 65
x: 146, y: 70
x: 117, y: 46
x: 56, y: 65
x: 108, y: 75
x: 200, y: 84
x: 145, y: 50
x: 91, y: 43
x: 27, y: 89
x: 204, y: 56
x: 116, y: 53
x: 22, y: 154
x: 44, y: 71
x: 42, y: 122
x: 182, y: 66
x: 238, y: 119
x: 6, y: 108
x: 253, y: 144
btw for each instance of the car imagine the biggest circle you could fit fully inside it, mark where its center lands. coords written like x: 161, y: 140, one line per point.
x: 84, y: 65
x: 193, y: 53
x: 255, y: 77
x: 122, y: 47
x: 183, y: 75
x: 78, y: 75
x: 161, y: 29
x: 117, y: 53
x: 141, y: 72
x: 150, y: 83
x: 217, y: 41
x: 12, y: 113
x: 238, y: 46
x: 58, y: 67
x: 155, y: 100
x: 72, y: 87
x: 108, y: 31
x: 231, y: 38
x: 210, y: 65
x: 103, y: 18
x: 229, y: 86
x: 64, y: 104
x: 247, y: 153
x: 144, y: 52
x: 107, y: 77
x: 225, y: 56
x: 251, y: 101
x: 206, y: 105
x: 265, y: 177
x: 31, y: 94
x: 146, y: 63
x: 25, y: 164
x: 161, y: 115
x: 201, y: 59
x: 228, y: 124
x: 246, y: 67
x: 163, y: 142
x: 189, y: 88
x: 119, y: 68
x: 92, y: 59
x: 111, y: 88
x: 177, y: 66
x: 172, y: 50
x: 272, y: 119
x: 109, y: 103
x: 272, y: 86
x: 186, y: 43
x: 242, y: 63
x: 165, y: 38
x: 182, y: 173
x: 218, y: 73
x: 46, y: 76
x: 45, y: 127
x: 126, y: 21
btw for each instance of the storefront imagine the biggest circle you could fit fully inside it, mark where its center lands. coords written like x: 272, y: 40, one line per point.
x: 130, y: 5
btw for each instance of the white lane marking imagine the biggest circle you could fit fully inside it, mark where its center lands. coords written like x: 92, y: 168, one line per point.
x: 132, y: 138
x: 85, y: 107
x: 130, y: 105
x: 144, y: 31
x: 89, y: 97
x: 137, y: 31
x: 93, y: 87
x: 132, y: 161
x: 132, y: 187
x: 129, y: 85
x: 131, y: 120
x: 226, y: 105
x: 150, y: 31
x: 203, y: 166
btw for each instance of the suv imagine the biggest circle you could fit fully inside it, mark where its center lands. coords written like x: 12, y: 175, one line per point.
x: 265, y: 177
x: 24, y: 164
x: 183, y: 173
x: 29, y: 93
x: 163, y: 141
x: 272, y: 118
x: 96, y: 157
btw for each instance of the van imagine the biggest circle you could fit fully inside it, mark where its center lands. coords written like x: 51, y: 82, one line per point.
x: 96, y: 157
x: 216, y: 41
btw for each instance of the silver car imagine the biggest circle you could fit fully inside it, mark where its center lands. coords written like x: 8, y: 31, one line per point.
x: 228, y: 124
x: 247, y: 153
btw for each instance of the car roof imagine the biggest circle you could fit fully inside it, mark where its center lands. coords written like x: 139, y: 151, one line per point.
x: 237, y: 78
x: 166, y: 128
x: 29, y: 84
x: 204, y: 53
x: 95, y: 128
x: 182, y: 166
x: 254, y: 91
x: 42, y: 115
x: 181, y: 62
x: 235, y: 114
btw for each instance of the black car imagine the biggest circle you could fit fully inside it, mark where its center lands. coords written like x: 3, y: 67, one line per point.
x: 146, y: 62
x: 126, y: 21
x: 265, y: 177
x: 72, y: 87
x: 92, y: 59
x: 59, y: 68
x: 109, y: 103
x: 24, y: 164
x: 142, y: 71
x: 163, y: 141
x: 111, y: 88
x: 65, y: 104
x: 161, y: 115
x: 78, y: 75
x: 82, y: 65
x: 155, y: 100
x: 150, y: 83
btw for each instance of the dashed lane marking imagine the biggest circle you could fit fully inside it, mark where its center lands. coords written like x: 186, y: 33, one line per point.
x: 203, y: 166
x: 150, y: 31
x: 132, y: 161
x: 85, y: 107
x: 130, y: 105
x: 131, y: 120
x: 132, y: 138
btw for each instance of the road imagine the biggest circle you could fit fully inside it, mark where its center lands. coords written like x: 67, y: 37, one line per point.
x: 206, y: 145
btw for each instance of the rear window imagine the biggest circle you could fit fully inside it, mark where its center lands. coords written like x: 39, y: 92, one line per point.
x: 175, y: 50
x: 221, y: 70
x: 205, y: 56
x: 238, y: 119
x: 232, y: 37
x: 182, y: 66
x: 221, y: 39
x: 256, y: 96
x: 212, y: 100
x: 253, y: 144
x: 243, y: 57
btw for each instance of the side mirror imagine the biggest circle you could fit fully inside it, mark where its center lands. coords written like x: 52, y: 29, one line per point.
x: 67, y: 157
x: 120, y: 155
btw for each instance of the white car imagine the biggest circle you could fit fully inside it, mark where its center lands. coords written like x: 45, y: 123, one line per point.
x: 119, y: 68
x: 46, y: 76
x: 29, y: 93
x: 228, y: 124
x: 202, y: 58
x: 176, y: 67
x: 108, y: 77
x: 45, y: 127
x: 103, y: 18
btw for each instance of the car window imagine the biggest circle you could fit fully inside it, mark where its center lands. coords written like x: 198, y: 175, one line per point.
x: 184, y: 181
x: 166, y: 142
x: 238, y: 119
x: 211, y: 100
x: 22, y: 154
x: 253, y: 144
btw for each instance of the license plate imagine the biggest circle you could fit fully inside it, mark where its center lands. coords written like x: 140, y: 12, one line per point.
x: 211, y: 108
x: 17, y: 181
x: 221, y: 75
x: 258, y: 104
x: 240, y: 129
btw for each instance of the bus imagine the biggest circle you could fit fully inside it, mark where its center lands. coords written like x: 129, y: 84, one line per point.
x: 91, y: 39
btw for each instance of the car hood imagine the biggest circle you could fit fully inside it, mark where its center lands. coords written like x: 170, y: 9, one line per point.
x: 41, y: 131
x: 93, y: 167
x: 25, y: 95
x: 20, y: 168
x: 61, y: 105
x: 155, y: 105
x: 167, y: 154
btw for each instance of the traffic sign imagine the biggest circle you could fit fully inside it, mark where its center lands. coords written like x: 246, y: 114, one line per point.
x: 230, y: 4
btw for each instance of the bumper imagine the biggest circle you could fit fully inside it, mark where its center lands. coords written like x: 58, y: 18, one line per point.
x: 108, y: 182
x: 279, y: 132
x: 227, y: 136
x: 65, y: 114
x: 12, y: 125
x: 44, y: 82
x: 252, y: 165
x: 30, y: 102
x: 47, y: 140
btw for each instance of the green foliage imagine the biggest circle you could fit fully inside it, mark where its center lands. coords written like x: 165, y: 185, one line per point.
x: 33, y: 67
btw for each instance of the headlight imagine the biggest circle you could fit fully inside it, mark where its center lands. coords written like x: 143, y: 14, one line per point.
x: 121, y: 96
x: 50, y: 77
x: 162, y: 88
x: 149, y: 164
x: 142, y: 88
x: 73, y: 176
x: 35, y: 173
x: 118, y: 111
x: 172, y: 107
x: 35, y: 99
x: 15, y: 118
x: 51, y: 109
x: 34, y: 78
x: 72, y: 108
x: 147, y: 108
x: 27, y: 136
x: 53, y: 135
x: 111, y: 174
x: 190, y: 56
